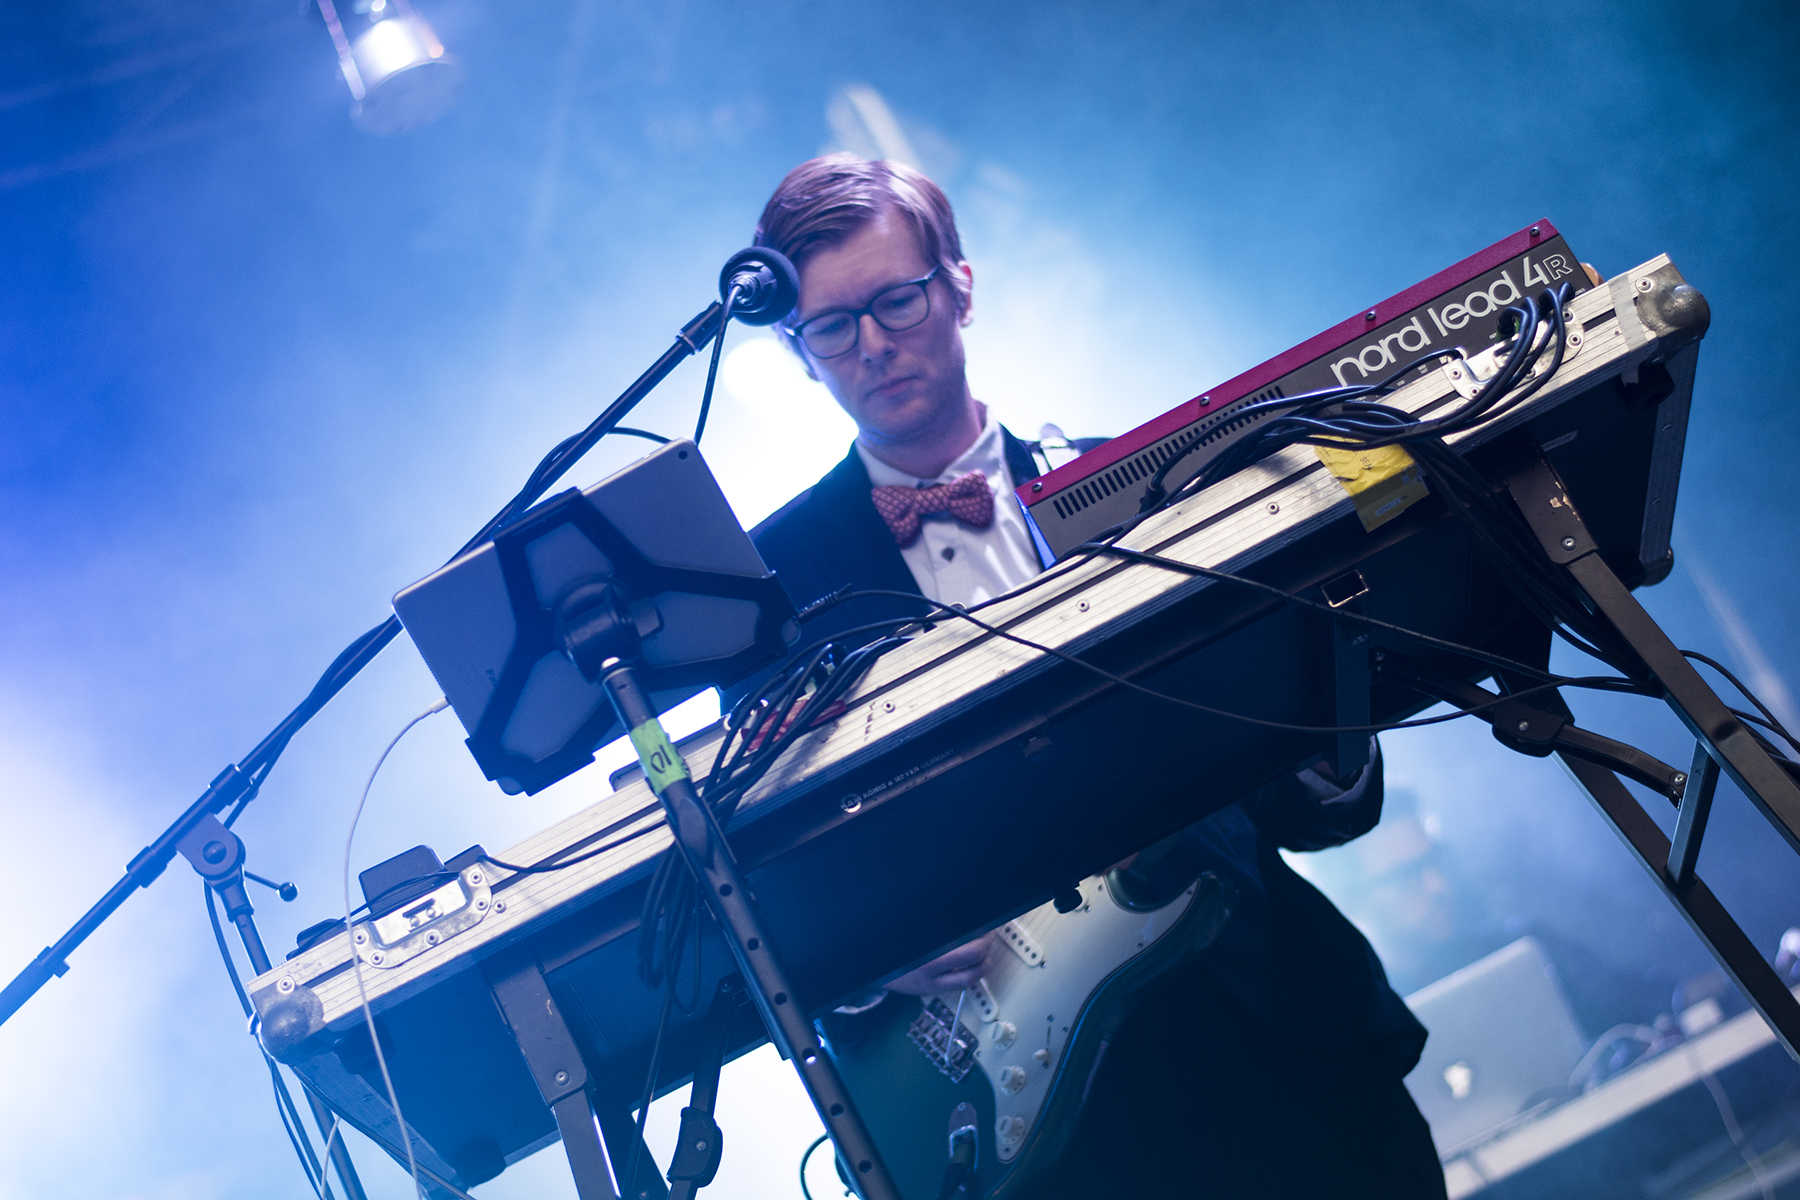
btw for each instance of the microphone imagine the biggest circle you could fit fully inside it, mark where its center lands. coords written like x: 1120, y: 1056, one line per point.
x: 768, y: 286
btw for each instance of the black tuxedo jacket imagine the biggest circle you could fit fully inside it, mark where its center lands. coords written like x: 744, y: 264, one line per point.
x: 1287, y: 954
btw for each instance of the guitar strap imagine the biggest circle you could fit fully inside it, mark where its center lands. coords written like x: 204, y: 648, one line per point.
x: 698, y: 1148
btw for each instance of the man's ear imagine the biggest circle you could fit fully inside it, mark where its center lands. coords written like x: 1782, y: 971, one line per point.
x: 967, y: 315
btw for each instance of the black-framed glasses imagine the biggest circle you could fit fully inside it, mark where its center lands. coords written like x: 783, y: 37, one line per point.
x: 900, y: 307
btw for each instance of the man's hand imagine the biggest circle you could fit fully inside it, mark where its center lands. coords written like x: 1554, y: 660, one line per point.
x: 949, y: 973
x: 1322, y: 783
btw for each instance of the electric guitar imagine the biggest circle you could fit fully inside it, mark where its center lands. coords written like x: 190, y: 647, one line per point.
x: 971, y: 1094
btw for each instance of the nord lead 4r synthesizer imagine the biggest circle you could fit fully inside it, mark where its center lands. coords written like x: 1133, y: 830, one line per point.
x: 1460, y: 306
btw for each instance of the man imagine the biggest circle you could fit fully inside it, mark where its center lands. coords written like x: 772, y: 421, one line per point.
x: 1273, y: 1067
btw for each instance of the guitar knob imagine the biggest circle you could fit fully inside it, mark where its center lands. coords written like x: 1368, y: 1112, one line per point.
x: 1010, y: 1130
x: 1012, y: 1079
x: 1005, y: 1034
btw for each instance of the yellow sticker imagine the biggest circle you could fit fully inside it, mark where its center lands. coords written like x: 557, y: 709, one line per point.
x: 663, y: 763
x: 1383, y: 482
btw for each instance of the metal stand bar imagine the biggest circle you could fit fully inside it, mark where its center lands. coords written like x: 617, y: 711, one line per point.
x: 727, y: 895
x: 619, y: 1131
x: 1690, y: 822
x: 218, y: 855
x: 1722, y: 743
x: 556, y: 1067
x: 1541, y: 496
x: 1733, y: 949
x: 698, y: 1149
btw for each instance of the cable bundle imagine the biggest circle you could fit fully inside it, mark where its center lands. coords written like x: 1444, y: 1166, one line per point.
x: 805, y: 692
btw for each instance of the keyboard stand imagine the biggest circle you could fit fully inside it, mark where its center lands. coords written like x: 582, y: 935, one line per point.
x: 1721, y: 743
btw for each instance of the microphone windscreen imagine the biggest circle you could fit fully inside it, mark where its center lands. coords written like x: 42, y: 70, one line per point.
x: 771, y: 285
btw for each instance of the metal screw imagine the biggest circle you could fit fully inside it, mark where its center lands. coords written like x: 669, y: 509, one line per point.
x: 850, y: 803
x: 284, y: 985
x: 1369, y: 316
x: 1524, y: 726
x: 480, y: 904
x: 1568, y: 543
x: 1644, y: 285
x: 431, y: 939
x: 562, y: 1077
x: 213, y: 852
x: 1534, y: 231
x: 1274, y: 507
x: 1082, y: 606
x: 361, y: 937
x: 1679, y: 778
x: 377, y: 957
x: 887, y: 706
x: 499, y: 906
x: 1037, y: 487
x: 475, y: 878
x: 1574, y: 341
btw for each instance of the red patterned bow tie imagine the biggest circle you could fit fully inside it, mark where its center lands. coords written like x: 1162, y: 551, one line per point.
x: 968, y: 499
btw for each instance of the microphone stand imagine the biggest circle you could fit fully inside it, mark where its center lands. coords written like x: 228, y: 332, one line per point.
x: 238, y: 783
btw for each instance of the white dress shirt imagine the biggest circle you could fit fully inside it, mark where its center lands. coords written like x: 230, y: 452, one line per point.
x: 954, y: 563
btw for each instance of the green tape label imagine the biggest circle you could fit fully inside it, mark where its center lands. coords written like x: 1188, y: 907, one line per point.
x: 663, y: 763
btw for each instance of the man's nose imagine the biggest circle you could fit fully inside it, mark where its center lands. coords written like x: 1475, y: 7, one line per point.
x: 875, y: 342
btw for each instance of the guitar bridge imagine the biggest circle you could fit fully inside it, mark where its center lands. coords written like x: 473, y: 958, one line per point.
x: 945, y: 1040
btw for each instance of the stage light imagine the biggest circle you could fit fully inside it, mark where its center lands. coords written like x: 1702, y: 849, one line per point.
x: 399, y: 75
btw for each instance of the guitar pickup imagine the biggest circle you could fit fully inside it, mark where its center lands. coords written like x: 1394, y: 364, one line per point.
x: 984, y: 1002
x: 1022, y: 944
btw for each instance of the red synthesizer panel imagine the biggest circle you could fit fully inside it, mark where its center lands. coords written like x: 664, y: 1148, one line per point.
x: 1459, y: 306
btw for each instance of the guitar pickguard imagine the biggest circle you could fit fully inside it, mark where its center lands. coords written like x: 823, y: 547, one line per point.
x: 1029, y: 1030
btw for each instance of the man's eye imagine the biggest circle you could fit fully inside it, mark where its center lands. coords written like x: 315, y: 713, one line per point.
x: 898, y: 304
x: 828, y: 326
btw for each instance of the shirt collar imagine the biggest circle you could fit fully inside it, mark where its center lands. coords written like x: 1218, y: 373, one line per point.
x: 987, y: 454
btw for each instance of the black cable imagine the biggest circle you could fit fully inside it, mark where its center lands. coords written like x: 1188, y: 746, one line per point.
x: 1315, y: 422
x: 284, y: 1100
x: 712, y: 370
x: 807, y: 1157
x: 1134, y: 686
x: 1769, y: 717
x: 628, y: 431
x: 561, y: 864
x: 637, y: 1143
x: 1753, y: 719
x: 1474, y: 652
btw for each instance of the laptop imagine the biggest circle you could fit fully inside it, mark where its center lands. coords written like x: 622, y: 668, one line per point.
x: 1502, y: 1039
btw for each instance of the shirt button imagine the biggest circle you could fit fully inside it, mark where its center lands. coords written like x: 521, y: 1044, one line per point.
x: 949, y: 553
